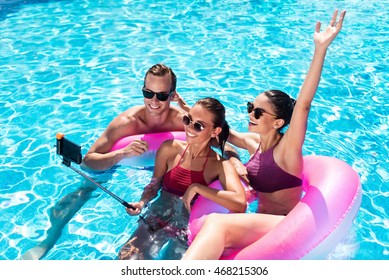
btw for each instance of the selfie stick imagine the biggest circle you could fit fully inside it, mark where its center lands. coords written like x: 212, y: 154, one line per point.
x: 75, y: 156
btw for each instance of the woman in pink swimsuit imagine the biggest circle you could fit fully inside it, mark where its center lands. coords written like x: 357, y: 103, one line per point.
x: 276, y: 165
x: 183, y: 170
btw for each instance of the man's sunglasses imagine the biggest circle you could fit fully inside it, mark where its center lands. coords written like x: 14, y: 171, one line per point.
x: 258, y: 112
x: 161, y: 96
x: 198, y: 127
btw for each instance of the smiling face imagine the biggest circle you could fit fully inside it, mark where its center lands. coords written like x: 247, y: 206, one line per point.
x: 266, y: 120
x: 157, y: 84
x: 200, y: 117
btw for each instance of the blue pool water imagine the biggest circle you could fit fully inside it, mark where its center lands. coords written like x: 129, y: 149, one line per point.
x: 73, y: 65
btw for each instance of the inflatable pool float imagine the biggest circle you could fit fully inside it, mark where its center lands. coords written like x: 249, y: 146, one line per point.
x: 154, y: 140
x: 323, y: 217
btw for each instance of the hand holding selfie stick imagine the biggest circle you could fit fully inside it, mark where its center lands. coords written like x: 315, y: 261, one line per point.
x: 71, y: 152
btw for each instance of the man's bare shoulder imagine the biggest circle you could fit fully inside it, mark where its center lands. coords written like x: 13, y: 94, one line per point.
x: 176, y: 110
x: 130, y: 115
x: 126, y: 123
x: 176, y: 114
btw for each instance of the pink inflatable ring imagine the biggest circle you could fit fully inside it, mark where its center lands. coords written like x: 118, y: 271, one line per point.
x: 314, y: 227
x: 323, y: 217
x: 153, y: 139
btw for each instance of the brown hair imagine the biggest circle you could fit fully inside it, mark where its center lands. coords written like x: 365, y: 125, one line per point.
x: 218, y: 111
x: 161, y: 70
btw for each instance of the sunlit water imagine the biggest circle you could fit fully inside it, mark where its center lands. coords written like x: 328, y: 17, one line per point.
x: 72, y: 66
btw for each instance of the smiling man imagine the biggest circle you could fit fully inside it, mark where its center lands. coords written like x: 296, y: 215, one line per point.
x: 156, y: 115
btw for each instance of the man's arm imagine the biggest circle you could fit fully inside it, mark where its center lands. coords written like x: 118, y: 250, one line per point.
x: 100, y: 156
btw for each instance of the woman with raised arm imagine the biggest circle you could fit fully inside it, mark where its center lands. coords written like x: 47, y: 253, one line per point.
x: 184, y: 169
x: 275, y: 168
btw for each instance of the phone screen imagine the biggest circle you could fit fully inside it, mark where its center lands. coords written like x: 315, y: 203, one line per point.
x: 69, y: 150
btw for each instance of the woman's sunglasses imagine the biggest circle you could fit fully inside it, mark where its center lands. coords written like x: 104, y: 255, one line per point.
x: 161, y: 96
x: 198, y: 127
x: 258, y: 112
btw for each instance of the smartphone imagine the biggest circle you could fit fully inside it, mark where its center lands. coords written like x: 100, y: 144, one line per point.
x: 71, y: 152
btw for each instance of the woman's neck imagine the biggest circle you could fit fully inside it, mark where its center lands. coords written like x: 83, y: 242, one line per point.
x: 198, y: 150
x: 269, y: 141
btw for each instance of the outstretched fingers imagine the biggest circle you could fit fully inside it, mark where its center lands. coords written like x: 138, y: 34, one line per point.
x: 339, y: 24
x: 334, y: 16
x: 325, y: 38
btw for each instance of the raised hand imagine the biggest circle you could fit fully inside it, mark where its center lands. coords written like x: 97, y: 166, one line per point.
x: 324, y: 39
x: 181, y: 102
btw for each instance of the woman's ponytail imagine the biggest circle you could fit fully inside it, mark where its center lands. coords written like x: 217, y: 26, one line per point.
x: 223, y: 136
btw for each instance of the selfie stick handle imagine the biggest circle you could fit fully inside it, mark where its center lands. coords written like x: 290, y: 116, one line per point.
x: 104, y: 189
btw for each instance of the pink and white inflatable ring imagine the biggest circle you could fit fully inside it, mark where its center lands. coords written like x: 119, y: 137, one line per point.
x: 323, y: 217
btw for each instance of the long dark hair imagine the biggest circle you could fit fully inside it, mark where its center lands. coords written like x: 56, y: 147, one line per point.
x: 218, y: 111
x: 282, y: 104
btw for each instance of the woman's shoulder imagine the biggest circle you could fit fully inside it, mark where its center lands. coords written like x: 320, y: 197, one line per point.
x: 173, y: 145
x: 215, y: 160
x: 170, y: 149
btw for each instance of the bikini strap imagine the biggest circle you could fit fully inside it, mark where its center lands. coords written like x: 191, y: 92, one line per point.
x: 206, y: 160
x: 257, y: 151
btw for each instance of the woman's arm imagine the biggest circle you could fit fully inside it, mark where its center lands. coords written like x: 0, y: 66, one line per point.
x: 295, y: 135
x: 152, y: 189
x: 248, y: 141
x: 232, y: 197
x: 245, y: 140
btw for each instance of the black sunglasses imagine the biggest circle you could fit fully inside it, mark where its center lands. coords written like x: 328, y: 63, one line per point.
x: 161, y: 96
x: 198, y: 127
x: 258, y: 112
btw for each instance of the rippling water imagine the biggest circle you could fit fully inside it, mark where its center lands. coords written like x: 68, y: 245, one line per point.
x: 72, y: 66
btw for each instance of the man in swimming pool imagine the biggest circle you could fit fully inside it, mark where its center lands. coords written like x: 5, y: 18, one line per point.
x: 156, y: 115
